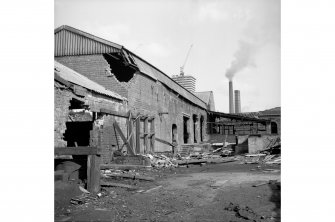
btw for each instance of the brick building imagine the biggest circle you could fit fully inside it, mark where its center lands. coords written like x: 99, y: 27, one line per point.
x: 78, y: 120
x: 188, y: 81
x: 169, y: 113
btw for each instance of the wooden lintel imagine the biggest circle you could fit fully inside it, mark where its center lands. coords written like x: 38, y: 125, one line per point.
x: 163, y: 141
x: 114, y: 113
x: 77, y: 151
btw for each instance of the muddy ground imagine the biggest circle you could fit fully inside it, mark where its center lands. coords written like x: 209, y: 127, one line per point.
x: 212, y: 192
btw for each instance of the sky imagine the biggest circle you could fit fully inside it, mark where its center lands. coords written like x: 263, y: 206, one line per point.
x: 237, y: 39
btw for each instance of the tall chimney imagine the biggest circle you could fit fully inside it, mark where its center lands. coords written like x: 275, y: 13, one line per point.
x: 237, y: 101
x: 231, y: 97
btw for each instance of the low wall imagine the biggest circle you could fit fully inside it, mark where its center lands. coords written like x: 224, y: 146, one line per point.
x: 257, y: 143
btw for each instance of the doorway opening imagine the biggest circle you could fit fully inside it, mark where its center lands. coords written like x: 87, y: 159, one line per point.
x: 195, y: 123
x: 274, y: 129
x: 186, y: 133
x: 201, y: 128
x: 174, y: 133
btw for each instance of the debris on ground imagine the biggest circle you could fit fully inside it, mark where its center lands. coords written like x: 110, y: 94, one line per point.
x: 273, y: 182
x: 159, y: 161
x: 244, y: 212
x: 110, y: 184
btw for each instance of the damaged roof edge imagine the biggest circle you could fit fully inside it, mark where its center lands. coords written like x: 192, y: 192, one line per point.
x: 69, y: 75
x: 148, y: 71
x: 138, y: 57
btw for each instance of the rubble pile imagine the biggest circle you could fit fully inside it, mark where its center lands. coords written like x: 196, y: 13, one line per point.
x: 259, y: 158
x: 160, y: 161
x: 244, y: 212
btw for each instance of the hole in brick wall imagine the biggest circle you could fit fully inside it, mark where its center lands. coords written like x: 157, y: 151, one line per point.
x: 78, y: 132
x: 119, y: 67
x: 76, y: 104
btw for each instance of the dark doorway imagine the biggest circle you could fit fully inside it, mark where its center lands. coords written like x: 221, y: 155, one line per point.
x: 78, y: 133
x: 186, y: 133
x: 174, y: 133
x: 274, y: 129
x: 195, y: 122
x: 201, y: 128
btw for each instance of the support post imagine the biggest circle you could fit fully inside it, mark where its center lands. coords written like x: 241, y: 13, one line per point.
x: 146, y: 146
x: 130, y: 130
x: 138, y: 122
x: 93, y: 173
x: 152, y: 135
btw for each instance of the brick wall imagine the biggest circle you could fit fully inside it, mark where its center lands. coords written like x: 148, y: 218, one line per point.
x: 103, y: 133
x: 151, y: 97
x: 94, y: 67
x: 62, y: 99
x: 144, y: 95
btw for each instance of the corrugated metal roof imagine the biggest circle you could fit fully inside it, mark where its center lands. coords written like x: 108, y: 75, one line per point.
x: 238, y: 116
x: 145, y: 68
x: 70, y: 41
x: 78, y: 79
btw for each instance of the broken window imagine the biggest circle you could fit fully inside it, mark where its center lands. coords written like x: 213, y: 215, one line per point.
x: 121, y: 66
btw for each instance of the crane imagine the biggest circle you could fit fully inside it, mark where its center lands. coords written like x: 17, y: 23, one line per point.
x: 182, y: 68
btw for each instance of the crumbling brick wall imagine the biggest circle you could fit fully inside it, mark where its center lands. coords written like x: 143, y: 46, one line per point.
x: 103, y: 133
x: 62, y: 99
x: 144, y: 95
x: 96, y: 68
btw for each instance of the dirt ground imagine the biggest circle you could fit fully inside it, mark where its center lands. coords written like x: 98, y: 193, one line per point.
x: 212, y: 192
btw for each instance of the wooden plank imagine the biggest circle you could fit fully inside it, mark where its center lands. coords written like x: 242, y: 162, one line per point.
x: 146, y: 144
x: 130, y: 131
x: 131, y: 176
x: 129, y: 148
x: 122, y: 167
x: 152, y: 129
x: 81, y: 150
x: 138, y: 123
x: 114, y: 113
x: 110, y: 184
x: 186, y: 162
x: 93, y: 173
x: 163, y: 141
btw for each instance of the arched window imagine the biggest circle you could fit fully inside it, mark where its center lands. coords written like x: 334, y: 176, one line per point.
x: 274, y: 129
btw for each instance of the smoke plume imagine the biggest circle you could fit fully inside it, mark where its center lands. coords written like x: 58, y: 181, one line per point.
x: 243, y: 58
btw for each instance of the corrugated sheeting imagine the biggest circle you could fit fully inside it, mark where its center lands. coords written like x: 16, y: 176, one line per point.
x: 70, y: 41
x: 145, y: 68
x: 78, y: 79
